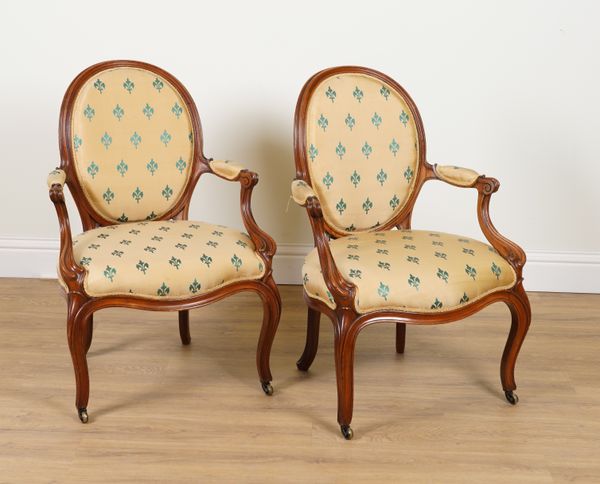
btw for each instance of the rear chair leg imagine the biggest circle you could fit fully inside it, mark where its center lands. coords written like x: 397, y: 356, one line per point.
x: 400, y: 337
x: 184, y: 327
x: 312, y: 340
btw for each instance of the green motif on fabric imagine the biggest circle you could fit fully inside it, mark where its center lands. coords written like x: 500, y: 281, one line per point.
x: 108, y: 196
x: 150, y: 249
x: 135, y: 139
x: 93, y: 169
x: 241, y: 243
x: 404, y: 118
x: 367, y: 205
x: 442, y: 274
x: 496, y: 270
x: 165, y: 138
x: 468, y: 251
x: 110, y: 273
x: 237, y: 262
x: 194, y: 286
x: 85, y: 261
x: 152, y: 166
x: 89, y: 112
x: 137, y: 194
x: 180, y: 164
x: 350, y: 121
x: 341, y: 206
x: 381, y: 177
x: 163, y: 290
x: 323, y: 122
x: 355, y: 178
x: 327, y: 180
x: 353, y: 257
x: 394, y: 202
x: 383, y: 290
x: 412, y: 259
x: 358, y: 94
x: 464, y: 298
x: 122, y: 168
x: 471, y: 272
x: 106, y: 140
x: 383, y: 265
x: 367, y: 149
x: 175, y: 262
x: 376, y: 120
x: 212, y: 243
x: 123, y: 218
x: 414, y: 281
x: 77, y: 142
x: 167, y: 192
x: 128, y: 85
x: 177, y: 110
x: 331, y: 94
x: 441, y: 255
x: 205, y: 259
x: 385, y: 92
x: 142, y: 266
x: 313, y: 152
x: 437, y: 304
x: 394, y: 146
x: 118, y: 112
x: 148, y: 111
x: 158, y: 84
x: 408, y: 174
x: 355, y: 273
x: 340, y: 150
x: 99, y: 85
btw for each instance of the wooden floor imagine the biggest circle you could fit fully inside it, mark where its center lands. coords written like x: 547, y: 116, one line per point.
x: 160, y: 412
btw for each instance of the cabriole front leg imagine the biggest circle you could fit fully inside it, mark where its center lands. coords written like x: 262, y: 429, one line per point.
x: 269, y: 295
x: 77, y: 335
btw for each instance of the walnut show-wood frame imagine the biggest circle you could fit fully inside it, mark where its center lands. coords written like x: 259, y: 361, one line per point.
x: 81, y: 306
x: 347, y: 322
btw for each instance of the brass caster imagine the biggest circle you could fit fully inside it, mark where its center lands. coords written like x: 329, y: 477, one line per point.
x: 83, y: 415
x: 347, y: 432
x: 512, y: 398
x: 267, y: 387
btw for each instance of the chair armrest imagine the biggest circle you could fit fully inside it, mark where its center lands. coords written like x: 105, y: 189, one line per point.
x: 455, y: 175
x: 341, y: 290
x: 485, y: 186
x: 229, y: 170
x: 72, y: 274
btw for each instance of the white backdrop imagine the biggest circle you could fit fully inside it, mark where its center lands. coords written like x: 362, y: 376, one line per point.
x: 508, y: 88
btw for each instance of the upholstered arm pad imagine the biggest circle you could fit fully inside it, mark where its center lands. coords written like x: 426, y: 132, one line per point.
x: 301, y: 192
x: 226, y: 168
x: 463, y: 177
x: 56, y: 177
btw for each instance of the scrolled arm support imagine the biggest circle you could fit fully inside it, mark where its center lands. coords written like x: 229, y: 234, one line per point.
x: 72, y: 273
x: 341, y: 290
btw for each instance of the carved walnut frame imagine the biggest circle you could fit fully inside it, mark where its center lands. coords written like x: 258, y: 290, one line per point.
x: 346, y: 320
x: 81, y: 306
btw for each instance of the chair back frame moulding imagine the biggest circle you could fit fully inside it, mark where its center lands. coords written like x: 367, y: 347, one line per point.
x: 346, y: 319
x: 81, y: 306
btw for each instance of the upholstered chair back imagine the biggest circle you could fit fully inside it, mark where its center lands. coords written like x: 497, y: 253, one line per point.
x: 361, y: 146
x: 130, y: 140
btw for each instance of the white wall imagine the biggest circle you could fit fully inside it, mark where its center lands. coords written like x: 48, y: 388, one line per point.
x: 508, y: 88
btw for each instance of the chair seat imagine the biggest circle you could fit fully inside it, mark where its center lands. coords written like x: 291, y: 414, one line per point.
x: 164, y: 259
x: 411, y: 270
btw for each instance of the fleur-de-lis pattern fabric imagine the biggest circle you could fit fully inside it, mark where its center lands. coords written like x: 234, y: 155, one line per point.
x: 411, y: 270
x: 164, y: 259
x: 132, y: 144
x: 361, y: 147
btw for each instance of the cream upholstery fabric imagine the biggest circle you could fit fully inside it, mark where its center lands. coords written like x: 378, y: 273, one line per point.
x: 171, y: 259
x: 225, y: 168
x: 132, y: 144
x: 361, y: 149
x: 411, y: 270
x: 301, y: 192
x: 463, y: 177
x: 56, y: 177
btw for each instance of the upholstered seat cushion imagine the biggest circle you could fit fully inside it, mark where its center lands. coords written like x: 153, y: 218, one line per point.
x: 411, y: 270
x: 169, y: 259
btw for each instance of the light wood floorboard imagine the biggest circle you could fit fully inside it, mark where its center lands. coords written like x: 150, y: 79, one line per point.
x: 161, y: 412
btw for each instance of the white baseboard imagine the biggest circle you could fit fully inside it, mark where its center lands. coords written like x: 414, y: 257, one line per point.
x: 544, y: 271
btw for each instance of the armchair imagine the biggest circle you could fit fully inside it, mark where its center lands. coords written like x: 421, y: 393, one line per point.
x: 359, y: 148
x: 131, y: 155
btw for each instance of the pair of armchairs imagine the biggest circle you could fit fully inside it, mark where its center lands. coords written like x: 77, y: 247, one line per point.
x: 131, y: 154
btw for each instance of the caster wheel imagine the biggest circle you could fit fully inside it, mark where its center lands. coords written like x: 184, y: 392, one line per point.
x: 83, y: 415
x: 347, y: 432
x: 267, y: 387
x: 512, y: 398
